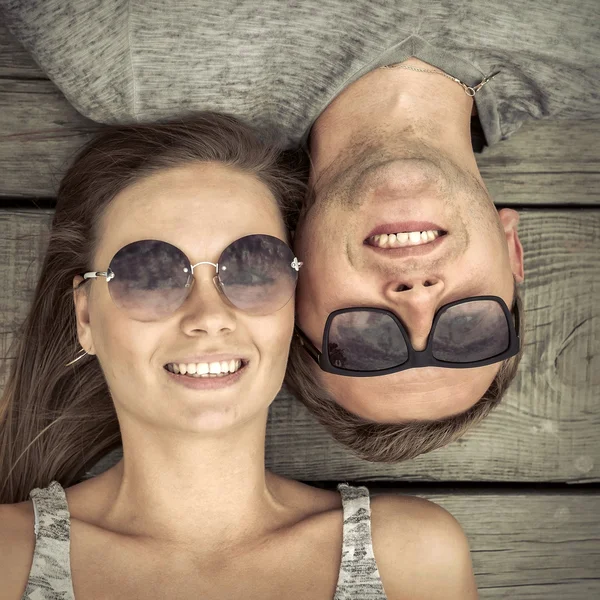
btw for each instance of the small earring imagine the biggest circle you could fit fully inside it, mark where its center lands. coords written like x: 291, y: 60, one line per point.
x: 78, y: 357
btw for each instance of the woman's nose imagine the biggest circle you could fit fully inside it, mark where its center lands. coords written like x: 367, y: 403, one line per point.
x: 206, y: 309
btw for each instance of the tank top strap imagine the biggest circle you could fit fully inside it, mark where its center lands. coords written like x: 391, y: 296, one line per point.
x: 51, y: 567
x: 52, y: 518
x: 359, y: 576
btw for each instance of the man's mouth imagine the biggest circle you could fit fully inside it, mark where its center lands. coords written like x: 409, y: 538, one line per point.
x: 404, y: 239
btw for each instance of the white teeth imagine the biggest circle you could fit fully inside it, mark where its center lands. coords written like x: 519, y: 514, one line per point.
x: 202, y: 368
x: 214, y: 369
x: 404, y: 238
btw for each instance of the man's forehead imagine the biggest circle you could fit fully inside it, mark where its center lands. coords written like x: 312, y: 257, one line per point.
x: 415, y: 394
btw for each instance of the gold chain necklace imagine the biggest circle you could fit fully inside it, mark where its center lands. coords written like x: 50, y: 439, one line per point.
x: 470, y: 91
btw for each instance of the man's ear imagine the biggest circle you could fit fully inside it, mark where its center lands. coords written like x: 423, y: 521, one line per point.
x: 510, y: 219
x: 81, y: 302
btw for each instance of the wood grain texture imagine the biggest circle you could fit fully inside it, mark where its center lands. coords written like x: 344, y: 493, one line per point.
x: 546, y: 429
x: 40, y: 133
x: 15, y: 61
x: 23, y: 240
x: 530, y: 546
x: 545, y: 162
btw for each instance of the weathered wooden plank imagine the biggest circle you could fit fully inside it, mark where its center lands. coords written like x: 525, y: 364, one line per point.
x: 15, y: 61
x: 546, y: 162
x: 550, y: 147
x: 543, y: 163
x: 546, y: 429
x: 23, y: 240
x: 543, y: 188
x: 530, y: 546
x: 40, y: 133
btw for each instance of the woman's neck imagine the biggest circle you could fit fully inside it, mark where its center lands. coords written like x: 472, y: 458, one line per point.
x: 208, y: 492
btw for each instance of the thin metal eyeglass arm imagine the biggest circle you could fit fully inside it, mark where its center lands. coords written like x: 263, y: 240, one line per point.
x: 94, y: 274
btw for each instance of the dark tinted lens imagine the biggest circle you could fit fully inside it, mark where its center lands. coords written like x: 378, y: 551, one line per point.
x: 256, y: 274
x: 365, y: 341
x: 471, y: 331
x: 150, y: 278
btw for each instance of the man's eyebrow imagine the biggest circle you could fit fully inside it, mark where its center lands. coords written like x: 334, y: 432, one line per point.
x: 469, y: 288
x: 461, y: 295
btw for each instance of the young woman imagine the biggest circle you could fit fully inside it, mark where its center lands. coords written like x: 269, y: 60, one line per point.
x: 162, y: 320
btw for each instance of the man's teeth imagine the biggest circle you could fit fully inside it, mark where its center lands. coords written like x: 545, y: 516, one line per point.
x: 213, y: 369
x: 403, y: 239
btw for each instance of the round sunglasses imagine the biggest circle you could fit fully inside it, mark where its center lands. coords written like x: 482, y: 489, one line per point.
x: 368, y: 342
x: 151, y: 279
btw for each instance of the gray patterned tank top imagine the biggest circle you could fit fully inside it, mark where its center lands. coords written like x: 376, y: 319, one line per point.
x: 50, y: 575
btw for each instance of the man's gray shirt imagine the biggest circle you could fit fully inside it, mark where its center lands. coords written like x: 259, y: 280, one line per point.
x: 278, y: 63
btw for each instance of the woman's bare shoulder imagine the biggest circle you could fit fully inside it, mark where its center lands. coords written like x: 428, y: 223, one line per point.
x: 420, y: 549
x: 17, y: 544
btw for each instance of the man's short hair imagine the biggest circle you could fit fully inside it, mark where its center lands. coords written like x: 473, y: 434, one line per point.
x: 394, y: 442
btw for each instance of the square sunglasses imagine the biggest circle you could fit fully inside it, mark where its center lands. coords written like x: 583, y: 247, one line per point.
x: 369, y: 342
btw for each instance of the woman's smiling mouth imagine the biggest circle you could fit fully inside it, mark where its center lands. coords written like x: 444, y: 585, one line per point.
x: 207, y: 376
x: 206, y: 369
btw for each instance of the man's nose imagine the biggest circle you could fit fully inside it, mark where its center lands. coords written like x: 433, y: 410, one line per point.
x: 415, y: 300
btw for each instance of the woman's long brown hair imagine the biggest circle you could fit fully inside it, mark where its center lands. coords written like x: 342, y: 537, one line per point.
x: 56, y: 421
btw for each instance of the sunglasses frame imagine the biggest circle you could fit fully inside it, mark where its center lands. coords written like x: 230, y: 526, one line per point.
x: 416, y: 358
x: 189, y: 270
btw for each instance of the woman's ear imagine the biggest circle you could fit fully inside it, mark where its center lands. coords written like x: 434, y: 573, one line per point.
x: 81, y: 302
x: 510, y: 219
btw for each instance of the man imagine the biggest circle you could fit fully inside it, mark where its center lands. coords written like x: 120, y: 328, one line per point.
x: 398, y: 220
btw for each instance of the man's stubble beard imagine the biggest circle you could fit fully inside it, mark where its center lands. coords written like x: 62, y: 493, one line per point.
x: 345, y: 185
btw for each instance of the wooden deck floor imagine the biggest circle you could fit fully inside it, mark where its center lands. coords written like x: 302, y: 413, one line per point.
x: 532, y: 535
